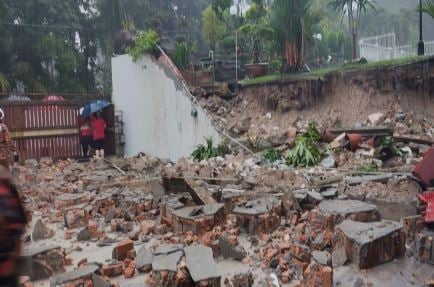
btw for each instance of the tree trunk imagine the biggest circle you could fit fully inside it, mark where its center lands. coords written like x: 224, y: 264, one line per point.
x: 352, y: 29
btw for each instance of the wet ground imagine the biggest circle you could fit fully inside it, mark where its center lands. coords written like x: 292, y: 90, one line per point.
x: 399, y: 273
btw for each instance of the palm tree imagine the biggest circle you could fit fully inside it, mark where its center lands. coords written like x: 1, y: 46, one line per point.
x: 292, y: 23
x: 428, y: 7
x: 354, y: 10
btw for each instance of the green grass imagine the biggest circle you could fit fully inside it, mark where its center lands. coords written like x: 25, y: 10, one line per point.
x: 318, y: 73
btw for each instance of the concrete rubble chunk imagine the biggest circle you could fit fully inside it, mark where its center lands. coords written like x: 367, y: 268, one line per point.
x: 110, y: 215
x: 322, y: 257
x: 339, y: 257
x: 259, y: 216
x: 230, y: 251
x: 200, y: 263
x: 351, y: 209
x: 39, y: 231
x: 197, y: 219
x: 371, y: 244
x: 99, y: 282
x: 314, y: 197
x: 424, y: 247
x: 85, y: 271
x: 84, y: 234
x: 158, y: 192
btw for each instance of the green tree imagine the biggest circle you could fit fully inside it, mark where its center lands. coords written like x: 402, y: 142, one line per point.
x: 333, y: 42
x: 354, y: 10
x: 293, y: 23
x: 214, y: 29
x: 256, y: 32
x: 219, y: 6
x: 428, y: 7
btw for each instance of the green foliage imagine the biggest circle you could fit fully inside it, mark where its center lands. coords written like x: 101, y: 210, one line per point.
x: 146, y: 43
x: 428, y: 7
x: 214, y: 29
x: 203, y: 152
x: 390, y: 143
x: 219, y: 6
x: 333, y: 42
x: 368, y: 167
x: 271, y: 155
x: 256, y: 32
x: 306, y: 151
x: 181, y: 55
x: 293, y: 22
x: 4, y: 83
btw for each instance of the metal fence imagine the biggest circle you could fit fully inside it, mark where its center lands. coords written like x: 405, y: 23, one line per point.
x: 50, y: 129
x: 383, y: 47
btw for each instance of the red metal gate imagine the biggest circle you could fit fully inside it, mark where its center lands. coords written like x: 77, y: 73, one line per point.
x: 50, y: 129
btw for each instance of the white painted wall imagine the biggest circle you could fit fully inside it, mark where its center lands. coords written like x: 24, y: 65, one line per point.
x: 156, y: 110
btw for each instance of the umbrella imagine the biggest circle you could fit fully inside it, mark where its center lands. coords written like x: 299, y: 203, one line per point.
x: 94, y: 107
x: 53, y: 98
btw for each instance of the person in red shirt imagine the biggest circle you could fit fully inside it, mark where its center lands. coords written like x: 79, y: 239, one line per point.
x: 86, y: 137
x: 98, y: 133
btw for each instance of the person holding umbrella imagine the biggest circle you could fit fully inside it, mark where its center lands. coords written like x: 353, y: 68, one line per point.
x: 98, y: 133
x: 97, y: 123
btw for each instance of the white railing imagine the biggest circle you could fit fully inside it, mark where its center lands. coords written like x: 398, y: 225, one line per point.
x: 380, y: 48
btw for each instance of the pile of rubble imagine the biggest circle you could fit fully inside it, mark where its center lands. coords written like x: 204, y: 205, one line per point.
x: 227, y: 221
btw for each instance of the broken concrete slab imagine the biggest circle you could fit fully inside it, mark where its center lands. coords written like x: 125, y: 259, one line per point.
x: 370, y: 244
x: 201, y: 264
x: 33, y: 267
x: 167, y: 248
x: 85, y: 271
x: 349, y: 209
x: 355, y: 180
x: 144, y: 259
x: 167, y: 262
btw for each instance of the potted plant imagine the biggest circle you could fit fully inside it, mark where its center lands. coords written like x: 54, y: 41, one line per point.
x: 255, y: 33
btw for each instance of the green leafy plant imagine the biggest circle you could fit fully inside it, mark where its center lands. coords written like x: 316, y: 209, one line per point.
x: 146, y: 43
x: 208, y: 150
x: 306, y: 151
x: 390, y: 143
x: 181, y: 55
x: 271, y: 155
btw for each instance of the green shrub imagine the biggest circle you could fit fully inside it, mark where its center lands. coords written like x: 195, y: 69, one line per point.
x: 306, y: 151
x: 181, y: 55
x: 145, y: 43
x: 209, y: 151
x: 271, y: 155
